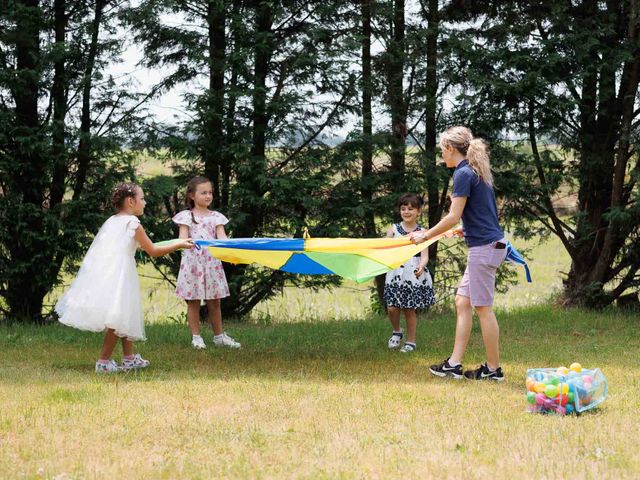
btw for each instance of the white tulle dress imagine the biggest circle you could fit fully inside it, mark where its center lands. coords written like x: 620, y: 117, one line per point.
x: 106, y: 292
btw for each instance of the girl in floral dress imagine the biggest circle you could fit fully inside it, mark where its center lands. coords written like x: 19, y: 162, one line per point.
x: 201, y: 276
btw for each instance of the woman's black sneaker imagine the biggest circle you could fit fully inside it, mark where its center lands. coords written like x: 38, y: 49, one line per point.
x: 445, y: 370
x: 483, y: 373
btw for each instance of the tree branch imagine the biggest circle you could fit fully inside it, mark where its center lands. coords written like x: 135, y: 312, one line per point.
x: 543, y: 183
x: 319, y: 130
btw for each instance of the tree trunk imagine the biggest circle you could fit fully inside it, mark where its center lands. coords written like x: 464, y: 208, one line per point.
x: 397, y: 103
x: 59, y: 98
x: 214, y: 110
x: 251, y: 176
x: 84, y: 145
x: 230, y: 114
x: 367, y: 134
x: 435, y: 207
x: 25, y: 293
x: 605, y: 130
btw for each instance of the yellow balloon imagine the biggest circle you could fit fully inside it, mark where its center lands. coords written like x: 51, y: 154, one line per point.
x: 576, y: 367
x: 562, y: 370
x: 539, y: 387
x: 563, y: 388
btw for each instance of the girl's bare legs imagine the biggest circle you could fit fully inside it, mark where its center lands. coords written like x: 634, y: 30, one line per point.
x: 110, y: 340
x: 412, y: 322
x: 215, y: 315
x: 193, y: 316
x: 127, y: 347
x: 490, y: 335
x: 394, y: 318
x: 464, y: 322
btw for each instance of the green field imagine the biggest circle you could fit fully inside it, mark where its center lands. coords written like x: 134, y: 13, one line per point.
x: 315, y: 393
x: 316, y: 400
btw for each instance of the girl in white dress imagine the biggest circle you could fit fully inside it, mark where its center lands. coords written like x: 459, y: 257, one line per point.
x: 105, y: 295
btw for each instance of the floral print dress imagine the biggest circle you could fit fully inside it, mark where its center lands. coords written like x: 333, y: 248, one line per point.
x: 201, y: 276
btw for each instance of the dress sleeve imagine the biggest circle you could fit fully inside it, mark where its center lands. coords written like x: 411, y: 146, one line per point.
x: 132, y: 225
x: 183, y: 218
x: 220, y: 219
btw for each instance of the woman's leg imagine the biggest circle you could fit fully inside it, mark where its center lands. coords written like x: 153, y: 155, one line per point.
x: 193, y: 316
x: 490, y: 335
x: 464, y: 322
x: 215, y: 315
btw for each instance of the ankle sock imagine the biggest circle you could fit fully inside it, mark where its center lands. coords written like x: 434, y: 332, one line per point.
x: 452, y: 363
x: 103, y: 362
x: 128, y: 357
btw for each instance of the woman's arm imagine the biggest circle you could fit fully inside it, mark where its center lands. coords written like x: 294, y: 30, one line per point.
x: 449, y: 221
x: 147, y: 245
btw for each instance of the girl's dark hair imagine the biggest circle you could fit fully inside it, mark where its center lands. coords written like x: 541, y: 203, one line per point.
x: 121, y: 193
x: 191, y: 188
x: 410, y: 199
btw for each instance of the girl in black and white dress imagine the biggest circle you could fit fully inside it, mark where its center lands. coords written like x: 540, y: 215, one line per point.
x: 409, y: 286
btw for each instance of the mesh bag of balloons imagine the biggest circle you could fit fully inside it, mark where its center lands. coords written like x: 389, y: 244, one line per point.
x: 564, y: 390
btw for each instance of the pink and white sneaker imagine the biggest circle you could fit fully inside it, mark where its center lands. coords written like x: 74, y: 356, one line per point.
x: 107, y: 367
x: 136, y: 362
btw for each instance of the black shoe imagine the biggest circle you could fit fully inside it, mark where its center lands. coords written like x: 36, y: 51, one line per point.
x: 445, y: 370
x: 483, y: 373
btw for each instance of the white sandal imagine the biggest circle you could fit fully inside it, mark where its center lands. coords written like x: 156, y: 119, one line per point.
x: 395, y: 339
x: 408, y: 347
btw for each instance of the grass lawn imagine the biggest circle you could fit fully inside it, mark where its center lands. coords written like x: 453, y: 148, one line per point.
x: 316, y: 400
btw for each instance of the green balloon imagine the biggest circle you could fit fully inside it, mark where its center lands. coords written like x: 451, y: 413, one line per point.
x: 531, y: 397
x: 551, y: 391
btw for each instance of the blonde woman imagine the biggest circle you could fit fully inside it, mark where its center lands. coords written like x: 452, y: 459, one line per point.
x: 473, y: 201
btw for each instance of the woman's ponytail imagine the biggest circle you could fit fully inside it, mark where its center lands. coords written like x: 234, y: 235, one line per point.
x: 478, y: 156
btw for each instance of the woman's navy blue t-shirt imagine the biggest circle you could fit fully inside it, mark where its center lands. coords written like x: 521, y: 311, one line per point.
x: 480, y: 214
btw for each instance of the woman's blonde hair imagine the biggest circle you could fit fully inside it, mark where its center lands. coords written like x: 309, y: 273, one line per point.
x: 475, y: 149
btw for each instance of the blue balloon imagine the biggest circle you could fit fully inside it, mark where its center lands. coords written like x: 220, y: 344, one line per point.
x: 569, y: 408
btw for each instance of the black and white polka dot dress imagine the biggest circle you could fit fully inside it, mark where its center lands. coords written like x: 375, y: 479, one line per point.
x: 401, y: 287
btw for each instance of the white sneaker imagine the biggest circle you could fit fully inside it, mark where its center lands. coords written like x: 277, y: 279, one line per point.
x: 408, y: 347
x: 224, y: 340
x: 198, y: 342
x: 136, y: 362
x: 395, y: 339
x: 110, y: 367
